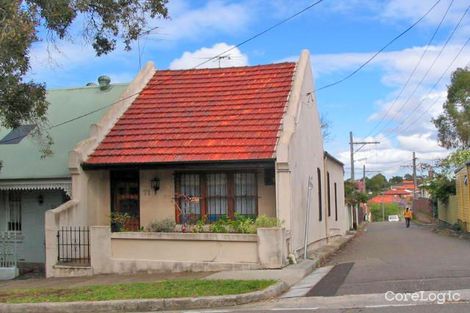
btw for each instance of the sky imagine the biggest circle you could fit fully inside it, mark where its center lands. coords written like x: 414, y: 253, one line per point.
x: 391, y: 100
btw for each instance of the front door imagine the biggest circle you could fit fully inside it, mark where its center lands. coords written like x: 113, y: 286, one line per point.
x: 125, y: 200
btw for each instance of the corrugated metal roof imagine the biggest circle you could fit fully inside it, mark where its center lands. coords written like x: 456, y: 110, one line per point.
x: 201, y: 115
x: 23, y: 160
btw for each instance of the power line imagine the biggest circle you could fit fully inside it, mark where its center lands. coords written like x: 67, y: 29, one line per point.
x: 146, y: 32
x: 428, y: 70
x: 254, y: 37
x: 262, y: 32
x: 378, y: 52
x: 432, y: 88
x: 413, y: 71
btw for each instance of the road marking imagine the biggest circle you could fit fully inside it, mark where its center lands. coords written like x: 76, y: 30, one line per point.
x: 331, y: 282
x: 301, y: 288
x: 388, y: 305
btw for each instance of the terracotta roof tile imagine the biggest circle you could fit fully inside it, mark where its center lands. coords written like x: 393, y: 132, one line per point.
x: 201, y: 115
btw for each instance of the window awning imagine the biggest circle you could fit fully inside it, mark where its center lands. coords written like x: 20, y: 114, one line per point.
x: 65, y: 185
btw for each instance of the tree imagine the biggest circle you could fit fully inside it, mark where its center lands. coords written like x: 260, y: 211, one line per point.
x: 453, y: 124
x: 105, y: 22
x: 408, y: 177
x: 376, y: 183
x: 395, y: 180
x: 352, y: 195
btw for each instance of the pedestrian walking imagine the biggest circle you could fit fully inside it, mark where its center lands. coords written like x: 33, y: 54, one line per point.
x: 408, y: 215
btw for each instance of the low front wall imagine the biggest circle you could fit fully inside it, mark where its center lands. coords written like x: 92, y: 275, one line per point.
x: 131, y: 252
x: 200, y: 247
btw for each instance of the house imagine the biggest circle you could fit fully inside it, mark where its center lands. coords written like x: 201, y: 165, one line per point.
x: 195, y: 146
x: 31, y: 184
x: 463, y: 196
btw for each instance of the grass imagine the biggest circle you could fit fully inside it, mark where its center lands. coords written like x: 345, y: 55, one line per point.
x: 154, y: 290
x: 389, y: 209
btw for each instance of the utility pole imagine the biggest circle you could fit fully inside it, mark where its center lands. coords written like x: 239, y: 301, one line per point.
x: 414, y: 180
x: 383, y: 208
x: 364, y: 178
x: 351, y: 149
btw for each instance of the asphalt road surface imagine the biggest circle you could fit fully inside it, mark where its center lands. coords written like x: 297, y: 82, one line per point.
x: 385, y: 257
x: 389, y: 256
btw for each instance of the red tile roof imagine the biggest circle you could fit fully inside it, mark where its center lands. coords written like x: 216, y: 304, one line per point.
x: 398, y: 192
x: 201, y: 115
x: 384, y: 199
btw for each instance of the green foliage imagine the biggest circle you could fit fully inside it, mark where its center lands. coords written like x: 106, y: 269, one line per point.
x: 267, y: 221
x: 243, y: 224
x: 352, y: 195
x: 453, y: 124
x: 440, y: 187
x: 395, y: 180
x: 119, y: 220
x: 389, y: 209
x: 199, y: 226
x: 453, y: 161
x: 152, y: 290
x: 104, y: 23
x: 376, y: 183
x: 240, y: 224
x: 166, y: 225
x: 222, y: 225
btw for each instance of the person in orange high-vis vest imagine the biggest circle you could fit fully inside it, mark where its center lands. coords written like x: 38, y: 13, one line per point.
x: 408, y: 215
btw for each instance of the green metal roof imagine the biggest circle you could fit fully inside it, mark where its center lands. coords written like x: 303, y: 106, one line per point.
x: 23, y: 160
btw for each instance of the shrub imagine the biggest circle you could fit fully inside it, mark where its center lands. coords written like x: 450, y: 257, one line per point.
x: 165, y: 225
x: 118, y: 221
x: 222, y: 225
x: 266, y: 221
x: 243, y: 224
x: 199, y: 226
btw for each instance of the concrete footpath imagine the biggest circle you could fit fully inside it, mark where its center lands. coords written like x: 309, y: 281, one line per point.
x: 293, y: 273
x: 286, y: 277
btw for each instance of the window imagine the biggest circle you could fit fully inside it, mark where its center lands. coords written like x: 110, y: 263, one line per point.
x: 320, y: 215
x: 336, y: 204
x: 14, y: 211
x: 215, y: 195
x: 188, y: 193
x: 245, y: 194
x: 217, y: 204
x: 329, y: 193
x: 17, y: 134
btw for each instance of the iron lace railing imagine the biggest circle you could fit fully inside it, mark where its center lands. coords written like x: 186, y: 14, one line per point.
x: 73, y: 245
x: 8, y: 249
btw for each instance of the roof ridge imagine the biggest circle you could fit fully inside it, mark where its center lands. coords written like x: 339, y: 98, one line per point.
x: 224, y: 68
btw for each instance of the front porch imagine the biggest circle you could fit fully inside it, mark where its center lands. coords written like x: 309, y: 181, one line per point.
x: 193, y: 199
x: 186, y: 195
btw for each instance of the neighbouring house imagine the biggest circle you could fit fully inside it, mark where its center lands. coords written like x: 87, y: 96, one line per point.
x: 31, y: 184
x: 196, y: 146
x: 463, y: 196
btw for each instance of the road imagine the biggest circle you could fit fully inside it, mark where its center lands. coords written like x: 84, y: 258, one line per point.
x: 385, y: 257
x: 389, y: 256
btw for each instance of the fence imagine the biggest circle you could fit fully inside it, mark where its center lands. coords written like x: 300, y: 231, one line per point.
x: 73, y: 245
x: 8, y: 253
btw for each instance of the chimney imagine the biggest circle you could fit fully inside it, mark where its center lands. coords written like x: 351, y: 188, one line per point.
x: 104, y: 82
